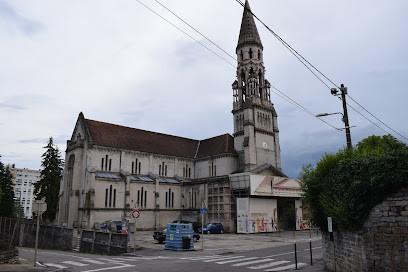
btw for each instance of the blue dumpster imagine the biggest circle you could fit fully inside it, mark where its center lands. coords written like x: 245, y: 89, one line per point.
x: 179, y: 237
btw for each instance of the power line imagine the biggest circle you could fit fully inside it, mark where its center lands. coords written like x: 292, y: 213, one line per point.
x: 376, y: 117
x: 278, y: 92
x: 292, y: 50
x: 304, y: 61
x: 209, y: 49
x: 365, y: 117
x: 196, y: 30
x: 296, y: 104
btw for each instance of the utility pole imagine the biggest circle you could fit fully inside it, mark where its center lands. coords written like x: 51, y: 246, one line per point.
x: 345, y: 115
x: 343, y: 90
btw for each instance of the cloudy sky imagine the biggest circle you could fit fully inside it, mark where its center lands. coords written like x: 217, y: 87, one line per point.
x: 118, y: 62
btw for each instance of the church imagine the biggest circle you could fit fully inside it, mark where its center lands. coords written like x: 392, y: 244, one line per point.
x: 111, y: 169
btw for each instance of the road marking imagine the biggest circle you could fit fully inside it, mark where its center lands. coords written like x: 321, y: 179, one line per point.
x: 268, y: 265
x: 222, y: 258
x: 307, y: 249
x: 74, y: 263
x: 120, y: 259
x: 208, y: 249
x: 288, y: 253
x: 92, y: 261
x: 110, y: 268
x: 231, y: 261
x: 291, y: 266
x: 253, y: 262
x: 198, y: 258
x: 56, y: 265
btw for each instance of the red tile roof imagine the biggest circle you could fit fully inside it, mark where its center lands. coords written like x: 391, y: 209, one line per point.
x: 110, y: 135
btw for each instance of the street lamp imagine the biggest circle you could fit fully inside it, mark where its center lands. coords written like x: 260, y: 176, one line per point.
x: 326, y: 114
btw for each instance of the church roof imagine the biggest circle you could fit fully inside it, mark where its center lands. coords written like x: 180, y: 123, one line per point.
x: 248, y: 34
x: 116, y: 136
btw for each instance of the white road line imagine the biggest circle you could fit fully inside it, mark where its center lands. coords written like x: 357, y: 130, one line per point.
x: 307, y: 249
x: 197, y: 258
x: 222, y: 258
x: 92, y: 261
x: 291, y: 266
x: 288, y: 253
x: 216, y: 249
x: 112, y: 261
x: 268, y: 265
x: 110, y: 268
x: 120, y: 259
x: 253, y: 262
x: 232, y: 261
x: 56, y: 265
x: 74, y: 263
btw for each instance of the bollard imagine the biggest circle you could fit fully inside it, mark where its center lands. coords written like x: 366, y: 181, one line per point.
x: 294, y: 241
x: 310, y: 245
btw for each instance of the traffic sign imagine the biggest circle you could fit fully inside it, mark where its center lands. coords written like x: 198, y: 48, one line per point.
x: 203, y: 210
x: 135, y: 214
x: 330, y: 224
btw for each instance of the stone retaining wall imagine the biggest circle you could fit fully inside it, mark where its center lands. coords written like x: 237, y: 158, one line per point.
x: 103, y: 242
x: 382, y: 245
x: 49, y: 237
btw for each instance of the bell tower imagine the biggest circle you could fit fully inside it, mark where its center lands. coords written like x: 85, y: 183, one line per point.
x: 256, y: 134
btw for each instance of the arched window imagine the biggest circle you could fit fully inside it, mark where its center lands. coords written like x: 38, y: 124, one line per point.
x: 110, y: 196
x: 70, y: 173
x: 250, y: 53
x: 259, y: 54
x: 242, y: 55
x: 243, y: 80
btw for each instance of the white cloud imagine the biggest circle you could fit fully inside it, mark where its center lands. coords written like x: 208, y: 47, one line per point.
x: 118, y: 62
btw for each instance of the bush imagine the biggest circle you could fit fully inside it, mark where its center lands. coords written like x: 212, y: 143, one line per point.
x: 348, y: 184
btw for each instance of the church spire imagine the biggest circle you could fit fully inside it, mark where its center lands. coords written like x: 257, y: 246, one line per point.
x: 248, y: 34
x: 256, y: 134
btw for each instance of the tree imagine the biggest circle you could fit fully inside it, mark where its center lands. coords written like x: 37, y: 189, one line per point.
x: 18, y: 211
x: 7, y: 192
x: 48, y: 186
x: 346, y: 185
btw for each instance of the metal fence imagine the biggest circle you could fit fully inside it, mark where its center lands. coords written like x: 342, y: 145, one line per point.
x: 9, y: 233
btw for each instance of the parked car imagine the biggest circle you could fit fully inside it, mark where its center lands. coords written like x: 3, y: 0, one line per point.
x: 196, y: 225
x: 112, y: 225
x: 212, y: 228
x: 160, y: 236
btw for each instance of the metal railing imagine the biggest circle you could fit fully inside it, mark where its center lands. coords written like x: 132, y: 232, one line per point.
x: 9, y: 231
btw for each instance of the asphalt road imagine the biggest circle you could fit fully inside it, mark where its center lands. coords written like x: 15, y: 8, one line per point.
x: 279, y: 258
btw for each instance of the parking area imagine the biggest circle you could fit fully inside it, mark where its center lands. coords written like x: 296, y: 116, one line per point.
x: 230, y: 242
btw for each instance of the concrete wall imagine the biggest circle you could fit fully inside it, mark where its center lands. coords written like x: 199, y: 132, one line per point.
x: 224, y: 166
x: 382, y: 245
x: 252, y: 217
x: 49, y: 237
x: 103, y: 243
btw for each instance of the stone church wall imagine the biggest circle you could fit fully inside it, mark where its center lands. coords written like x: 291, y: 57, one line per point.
x: 382, y: 245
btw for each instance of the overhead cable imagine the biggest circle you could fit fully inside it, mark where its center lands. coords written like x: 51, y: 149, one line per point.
x: 305, y: 62
x: 375, y: 117
x: 205, y: 37
x: 278, y: 92
x: 178, y: 28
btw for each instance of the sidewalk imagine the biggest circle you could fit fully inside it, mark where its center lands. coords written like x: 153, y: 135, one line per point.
x: 26, y: 266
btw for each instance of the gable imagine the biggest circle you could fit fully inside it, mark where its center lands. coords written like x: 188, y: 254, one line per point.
x: 268, y: 170
x: 278, y: 186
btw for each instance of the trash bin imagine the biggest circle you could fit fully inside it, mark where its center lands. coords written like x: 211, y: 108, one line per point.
x: 179, y: 237
x: 186, y: 242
